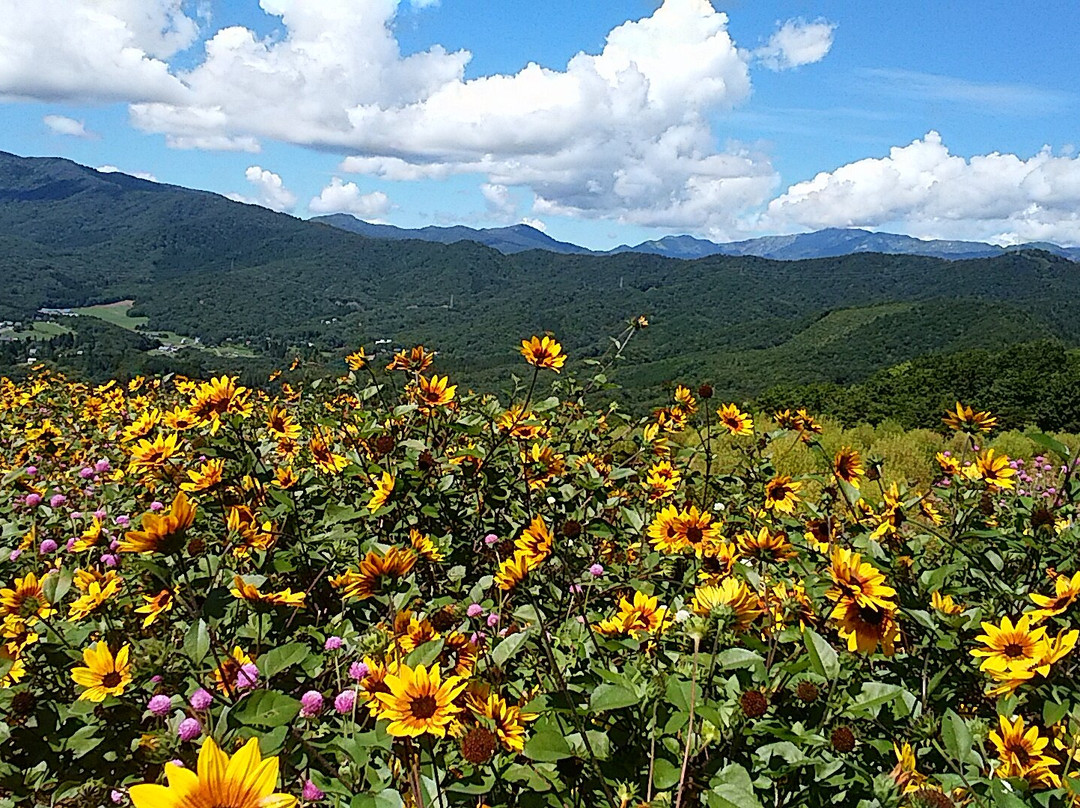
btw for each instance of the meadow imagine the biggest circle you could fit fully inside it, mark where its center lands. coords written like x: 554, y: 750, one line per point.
x: 380, y: 590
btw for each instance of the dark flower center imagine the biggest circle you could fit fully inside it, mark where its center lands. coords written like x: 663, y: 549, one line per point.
x: 423, y: 707
x: 694, y: 534
x: 1013, y: 650
x: 870, y: 615
x: 111, y: 679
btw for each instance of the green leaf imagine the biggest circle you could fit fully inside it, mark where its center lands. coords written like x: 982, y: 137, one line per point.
x: 872, y: 697
x: 612, y: 697
x: 547, y: 746
x: 197, y: 642
x: 665, y: 774
x: 732, y: 788
x: 84, y: 740
x: 55, y: 586
x: 956, y: 736
x: 278, y: 659
x: 268, y: 708
x: 508, y: 647
x: 1052, y: 444
x: 823, y: 657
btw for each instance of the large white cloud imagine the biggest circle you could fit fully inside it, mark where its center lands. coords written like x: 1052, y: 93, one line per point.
x: 92, y: 50
x: 270, y: 190
x: 346, y: 197
x: 63, y: 125
x: 924, y: 190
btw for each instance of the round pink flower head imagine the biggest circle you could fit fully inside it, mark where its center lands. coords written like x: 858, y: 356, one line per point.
x: 189, y: 729
x: 123, y: 521
x: 70, y: 543
x: 160, y: 705
x: 33, y: 500
x: 333, y: 643
x: 156, y: 506
x: 359, y: 670
x: 48, y: 546
x: 14, y: 554
x: 57, y: 500
x: 109, y: 560
x: 76, y: 515
x: 100, y: 514
x: 31, y: 470
x: 311, y: 792
x: 86, y: 472
x: 474, y: 610
x: 490, y: 539
x: 345, y: 701
x: 248, y: 677
x: 116, y: 796
x: 311, y: 703
x: 596, y: 570
x: 102, y: 466
x: 201, y: 699
x: 493, y: 620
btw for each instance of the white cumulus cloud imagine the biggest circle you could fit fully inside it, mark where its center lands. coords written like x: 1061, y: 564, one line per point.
x: 924, y: 190
x: 500, y: 204
x: 63, y: 125
x: 270, y: 190
x: 142, y: 175
x: 346, y: 197
x: 92, y: 50
x: 797, y: 43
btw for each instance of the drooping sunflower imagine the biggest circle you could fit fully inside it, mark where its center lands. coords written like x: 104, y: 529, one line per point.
x: 513, y: 570
x: 242, y: 590
x: 358, y: 360
x: 245, y: 780
x: 217, y: 398
x: 1066, y: 591
x: 419, y: 702
x: 1021, y: 752
x: 766, y: 545
x: 847, y: 466
x: 141, y: 426
x: 732, y: 600
x: 866, y: 625
x: 161, y: 533
x: 662, y: 480
x: 25, y: 599
x: 281, y: 425
x: 780, y: 494
x: 226, y: 673
x: 155, y: 606
x: 16, y: 634
x: 995, y: 471
x: 384, y: 486
x: 151, y: 456
x: 950, y: 466
x: 417, y: 360
x: 507, y: 719
x: 205, y: 477
x: 543, y: 352
x: 535, y: 541
x: 325, y: 458
x: 857, y: 580
x: 410, y: 631
x: 945, y: 604
x: 541, y: 464
x: 735, y: 421
x: 1009, y: 648
x: 965, y: 419
x: 425, y: 546
x: 89, y: 537
x: 788, y: 604
x: 642, y: 615
x: 521, y: 423
x: 104, y: 674
x: 97, y: 592
x: 396, y: 563
x: 249, y: 533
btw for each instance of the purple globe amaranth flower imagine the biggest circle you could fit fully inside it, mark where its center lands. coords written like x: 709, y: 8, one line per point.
x: 474, y: 610
x: 48, y: 546
x: 201, y: 699
x: 57, y: 500
x: 100, y: 514
x: 178, y: 763
x: 70, y: 543
x: 156, y: 506
x: 248, y: 677
x: 102, y: 466
x: 311, y: 792
x: 109, y: 560
x: 33, y: 500
x: 311, y: 703
x: 160, y: 705
x: 493, y: 620
x: 189, y: 729
x: 76, y: 515
x: 14, y: 554
x: 31, y: 471
x: 123, y: 521
x: 359, y: 670
x: 333, y: 643
x: 345, y: 701
x: 490, y: 539
x: 86, y: 473
x: 596, y: 570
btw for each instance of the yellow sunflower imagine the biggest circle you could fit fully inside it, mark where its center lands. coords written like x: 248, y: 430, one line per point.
x: 104, y: 674
x: 1020, y: 750
x: 780, y: 494
x: 995, y: 471
x: 1009, y: 648
x: 245, y: 780
x: 383, y: 488
x: 419, y: 702
x: 543, y: 352
x: 161, y: 533
x: 508, y: 719
x: 205, y: 476
x: 865, y: 625
x: 433, y: 392
x: 242, y: 590
x: 735, y: 421
x: 847, y: 466
x: 26, y: 599
x: 155, y: 606
x: 965, y: 419
x: 732, y: 598
x: 374, y: 567
x: 1066, y: 591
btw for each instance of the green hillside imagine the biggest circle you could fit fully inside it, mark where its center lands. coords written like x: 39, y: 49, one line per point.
x: 269, y: 285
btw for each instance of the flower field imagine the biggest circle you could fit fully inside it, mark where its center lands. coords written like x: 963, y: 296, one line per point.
x: 384, y: 591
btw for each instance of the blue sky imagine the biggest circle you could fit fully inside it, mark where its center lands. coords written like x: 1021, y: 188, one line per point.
x: 627, y: 161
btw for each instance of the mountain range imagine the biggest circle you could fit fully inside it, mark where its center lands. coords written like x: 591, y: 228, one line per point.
x: 827, y: 243
x: 240, y: 276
